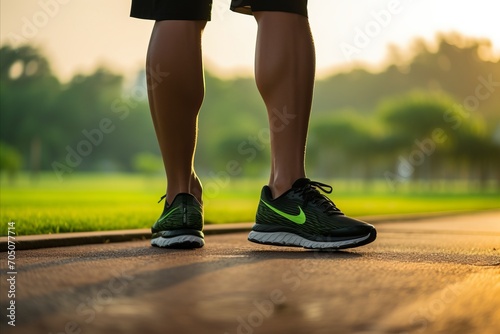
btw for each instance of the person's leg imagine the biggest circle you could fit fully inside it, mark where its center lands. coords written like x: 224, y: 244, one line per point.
x: 284, y: 72
x: 176, y: 90
x: 292, y: 210
x: 175, y: 99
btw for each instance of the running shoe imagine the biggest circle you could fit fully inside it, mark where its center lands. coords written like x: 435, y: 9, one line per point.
x: 303, y: 217
x: 180, y: 225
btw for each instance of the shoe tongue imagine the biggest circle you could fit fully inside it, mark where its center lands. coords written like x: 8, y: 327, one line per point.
x: 300, y: 183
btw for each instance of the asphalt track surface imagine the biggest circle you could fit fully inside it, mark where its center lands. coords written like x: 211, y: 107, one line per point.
x: 438, y: 275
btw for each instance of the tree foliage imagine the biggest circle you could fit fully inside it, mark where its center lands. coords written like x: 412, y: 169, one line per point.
x: 10, y: 161
x: 363, y: 123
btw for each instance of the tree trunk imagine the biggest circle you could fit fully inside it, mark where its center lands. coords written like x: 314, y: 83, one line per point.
x: 35, y: 158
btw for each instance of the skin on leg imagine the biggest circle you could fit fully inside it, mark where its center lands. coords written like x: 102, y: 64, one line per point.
x: 176, y: 90
x: 284, y: 73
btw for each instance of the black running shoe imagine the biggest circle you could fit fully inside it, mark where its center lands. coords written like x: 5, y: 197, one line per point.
x: 180, y: 225
x: 303, y: 217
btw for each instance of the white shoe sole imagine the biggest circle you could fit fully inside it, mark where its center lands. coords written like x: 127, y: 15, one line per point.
x: 181, y: 241
x: 290, y: 239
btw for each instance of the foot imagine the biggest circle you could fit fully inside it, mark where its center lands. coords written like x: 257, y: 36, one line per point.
x: 180, y: 225
x: 303, y: 217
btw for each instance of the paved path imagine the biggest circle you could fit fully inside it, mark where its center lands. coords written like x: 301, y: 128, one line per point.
x: 437, y: 275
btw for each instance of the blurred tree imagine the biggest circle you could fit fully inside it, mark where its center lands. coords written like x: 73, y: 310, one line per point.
x: 28, y: 91
x: 456, y: 67
x: 232, y: 111
x: 475, y: 153
x: 415, y: 131
x: 345, y: 143
x: 423, y: 135
x: 249, y: 154
x: 147, y: 163
x: 10, y: 161
x: 43, y: 118
x: 414, y: 114
x: 82, y: 106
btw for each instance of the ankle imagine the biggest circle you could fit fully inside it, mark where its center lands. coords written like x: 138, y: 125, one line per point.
x: 195, y: 188
x: 279, y: 188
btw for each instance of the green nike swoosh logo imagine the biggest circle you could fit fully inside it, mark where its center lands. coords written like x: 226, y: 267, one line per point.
x: 168, y: 214
x: 297, y: 219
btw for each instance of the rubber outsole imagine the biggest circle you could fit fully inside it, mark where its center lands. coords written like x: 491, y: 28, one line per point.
x: 294, y: 240
x: 181, y: 241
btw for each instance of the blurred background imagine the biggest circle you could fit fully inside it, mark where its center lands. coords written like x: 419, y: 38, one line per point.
x: 406, y: 113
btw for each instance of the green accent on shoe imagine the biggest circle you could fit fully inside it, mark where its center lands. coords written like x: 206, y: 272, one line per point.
x: 297, y: 219
x: 168, y: 214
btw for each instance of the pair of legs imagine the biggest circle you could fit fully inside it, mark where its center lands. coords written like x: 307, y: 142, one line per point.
x: 291, y: 210
x: 284, y: 72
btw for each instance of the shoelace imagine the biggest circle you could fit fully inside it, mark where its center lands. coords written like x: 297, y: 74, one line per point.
x: 162, y: 198
x: 312, y: 194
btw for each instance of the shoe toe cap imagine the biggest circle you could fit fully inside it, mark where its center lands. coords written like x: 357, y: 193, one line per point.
x: 350, y: 227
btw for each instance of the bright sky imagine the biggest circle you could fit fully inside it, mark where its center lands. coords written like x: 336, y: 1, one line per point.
x: 77, y: 35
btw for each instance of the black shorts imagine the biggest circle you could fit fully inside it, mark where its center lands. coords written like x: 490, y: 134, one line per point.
x: 201, y: 9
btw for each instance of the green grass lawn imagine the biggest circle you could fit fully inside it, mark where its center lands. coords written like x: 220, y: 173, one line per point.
x: 92, y: 202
